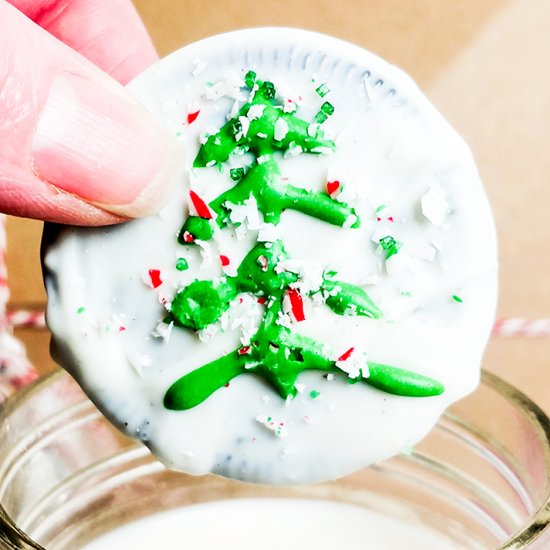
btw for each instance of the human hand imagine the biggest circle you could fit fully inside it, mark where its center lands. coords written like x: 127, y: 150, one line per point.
x: 74, y: 145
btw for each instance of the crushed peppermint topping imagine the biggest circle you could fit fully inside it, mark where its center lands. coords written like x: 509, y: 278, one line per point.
x: 346, y: 355
x: 201, y: 208
x: 163, y: 330
x: 296, y: 304
x: 434, y: 204
x: 333, y: 188
x: 224, y: 260
x: 276, y: 426
x: 188, y: 238
x: 353, y: 363
x: 242, y: 128
x: 245, y: 217
x: 198, y: 67
x: 310, y: 274
x: 191, y: 117
x: 280, y: 130
x: 255, y: 112
x: 224, y: 88
x: 206, y: 253
x: 138, y: 361
x: 153, y: 278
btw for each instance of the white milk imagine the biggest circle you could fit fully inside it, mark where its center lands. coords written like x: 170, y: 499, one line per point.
x: 273, y: 524
x: 392, y: 149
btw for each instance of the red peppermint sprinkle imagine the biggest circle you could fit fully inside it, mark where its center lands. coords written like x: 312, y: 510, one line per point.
x: 263, y: 262
x: 154, y: 276
x: 333, y: 188
x: 224, y: 260
x: 261, y: 300
x: 296, y: 304
x: 390, y: 219
x: 244, y: 350
x: 191, y: 117
x: 187, y: 237
x: 226, y: 385
x: 378, y: 219
x: 346, y: 355
x: 200, y: 206
x: 121, y: 329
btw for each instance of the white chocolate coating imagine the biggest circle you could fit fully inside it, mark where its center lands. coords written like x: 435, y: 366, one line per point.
x: 392, y: 149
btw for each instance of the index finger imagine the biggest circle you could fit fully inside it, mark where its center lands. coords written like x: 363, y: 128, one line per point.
x: 109, y: 33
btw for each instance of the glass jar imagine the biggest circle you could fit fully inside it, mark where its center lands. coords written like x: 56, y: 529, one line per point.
x: 481, y: 478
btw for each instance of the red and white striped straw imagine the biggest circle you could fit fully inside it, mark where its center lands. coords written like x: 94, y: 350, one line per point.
x: 530, y: 328
x: 15, y: 369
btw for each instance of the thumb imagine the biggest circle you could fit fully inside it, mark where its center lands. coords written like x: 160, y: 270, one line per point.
x: 76, y: 147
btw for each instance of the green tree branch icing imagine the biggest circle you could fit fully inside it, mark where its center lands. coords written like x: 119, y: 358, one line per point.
x: 263, y: 179
x: 276, y: 353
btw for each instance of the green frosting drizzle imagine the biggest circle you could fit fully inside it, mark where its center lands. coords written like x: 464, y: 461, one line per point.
x: 276, y: 353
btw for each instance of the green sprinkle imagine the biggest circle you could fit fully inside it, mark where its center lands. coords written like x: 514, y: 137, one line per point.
x: 322, y: 90
x: 250, y: 79
x: 182, y: 264
x: 236, y: 127
x: 314, y: 394
x: 236, y: 174
x: 407, y: 294
x: 178, y: 134
x: 380, y: 208
x: 327, y: 108
x: 320, y: 117
x: 390, y: 245
x: 80, y: 310
x: 457, y: 299
x: 268, y: 90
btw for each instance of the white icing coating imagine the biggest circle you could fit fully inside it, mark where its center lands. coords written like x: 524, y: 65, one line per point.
x: 394, y: 150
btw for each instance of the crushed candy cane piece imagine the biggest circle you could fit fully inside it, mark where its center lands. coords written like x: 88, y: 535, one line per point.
x: 434, y: 204
x: 296, y: 304
x: 255, y: 112
x: 280, y: 130
x: 276, y: 426
x: 333, y: 188
x: 354, y: 364
x: 192, y: 116
x: 163, y: 330
x: 153, y: 278
x: 201, y: 208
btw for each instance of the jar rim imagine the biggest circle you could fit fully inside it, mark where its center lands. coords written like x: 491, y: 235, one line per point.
x: 540, y: 519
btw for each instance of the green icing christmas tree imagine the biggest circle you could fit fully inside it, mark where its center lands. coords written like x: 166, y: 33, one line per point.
x: 264, y: 128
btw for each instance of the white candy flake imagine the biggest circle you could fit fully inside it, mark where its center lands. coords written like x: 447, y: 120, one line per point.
x: 355, y: 365
x: 434, y: 204
x: 310, y: 275
x: 255, y: 112
x: 207, y: 333
x: 138, y: 361
x: 224, y: 88
x: 163, y: 330
x: 280, y: 130
x: 245, y: 214
x: 206, y: 253
x: 245, y: 126
x: 198, y: 67
x: 276, y: 426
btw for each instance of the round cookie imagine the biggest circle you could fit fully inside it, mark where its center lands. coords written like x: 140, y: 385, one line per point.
x: 318, y: 290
